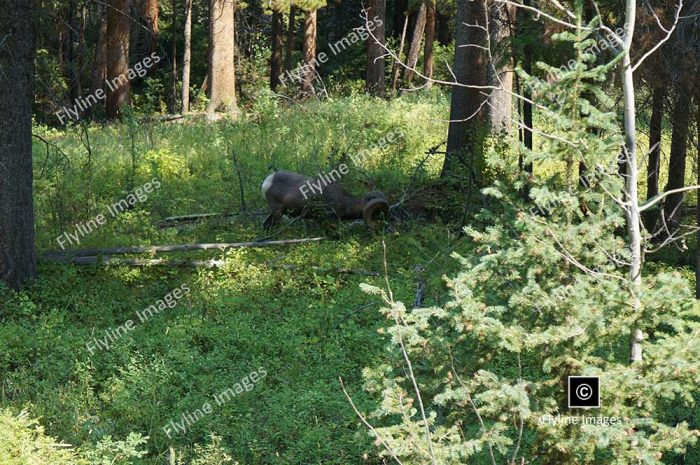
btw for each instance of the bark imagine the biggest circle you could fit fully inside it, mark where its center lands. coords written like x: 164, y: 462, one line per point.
x: 634, y: 230
x: 697, y: 193
x: 396, y: 73
x: 290, y: 38
x: 501, y: 69
x: 676, y: 169
x: 657, y: 116
x: 149, y: 17
x: 309, y: 71
x: 118, y: 86
x: 173, y: 62
x: 525, y: 27
x: 187, y: 58
x: 277, y: 44
x: 443, y: 29
x: 222, y: 75
x: 465, y: 135
x: 400, y: 7
x: 17, y: 252
x: 376, y: 73
x: 99, y: 73
x: 697, y: 207
x: 416, y: 39
x: 429, y: 41
x: 73, y: 58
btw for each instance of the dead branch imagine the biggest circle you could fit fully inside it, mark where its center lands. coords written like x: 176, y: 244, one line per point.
x: 106, y: 260
x: 324, y: 270
x: 58, y: 254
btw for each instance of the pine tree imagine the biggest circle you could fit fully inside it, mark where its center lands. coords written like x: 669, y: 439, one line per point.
x: 545, y: 295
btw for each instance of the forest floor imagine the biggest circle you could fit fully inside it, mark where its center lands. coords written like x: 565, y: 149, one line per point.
x: 100, y: 352
x: 81, y: 350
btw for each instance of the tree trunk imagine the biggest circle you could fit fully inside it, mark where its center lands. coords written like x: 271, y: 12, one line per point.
x: 465, y: 135
x: 676, y: 168
x: 525, y: 28
x: 697, y: 193
x: 429, y: 40
x: 186, y: 58
x: 118, y: 85
x: 309, y: 72
x: 222, y: 75
x: 73, y: 58
x: 173, y: 63
x: 149, y: 17
x: 634, y: 230
x: 290, y: 38
x: 500, y: 71
x: 443, y: 29
x: 396, y: 73
x: 376, y: 73
x: 277, y: 44
x: 399, y: 13
x: 527, y: 67
x: 655, y: 126
x: 17, y: 253
x: 99, y: 72
x: 414, y: 49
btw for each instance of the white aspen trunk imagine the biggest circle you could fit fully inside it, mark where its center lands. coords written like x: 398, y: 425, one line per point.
x: 632, y: 210
x: 186, y: 59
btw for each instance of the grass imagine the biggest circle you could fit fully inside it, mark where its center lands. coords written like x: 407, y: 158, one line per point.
x: 306, y: 326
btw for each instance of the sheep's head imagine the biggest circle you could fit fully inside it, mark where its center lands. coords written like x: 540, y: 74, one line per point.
x: 376, y: 209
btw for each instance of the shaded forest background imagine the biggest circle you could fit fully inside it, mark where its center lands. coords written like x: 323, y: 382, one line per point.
x: 509, y: 238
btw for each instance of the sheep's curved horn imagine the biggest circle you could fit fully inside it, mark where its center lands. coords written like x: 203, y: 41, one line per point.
x: 374, y: 211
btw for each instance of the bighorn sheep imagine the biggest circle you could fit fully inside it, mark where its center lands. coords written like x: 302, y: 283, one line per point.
x: 286, y: 191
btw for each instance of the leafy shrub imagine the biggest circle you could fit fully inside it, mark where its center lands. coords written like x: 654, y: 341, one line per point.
x: 23, y: 442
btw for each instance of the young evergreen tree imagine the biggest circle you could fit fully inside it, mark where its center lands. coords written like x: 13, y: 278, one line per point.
x: 545, y: 295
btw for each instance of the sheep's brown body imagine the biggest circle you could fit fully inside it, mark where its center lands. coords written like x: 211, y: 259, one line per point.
x: 287, y: 192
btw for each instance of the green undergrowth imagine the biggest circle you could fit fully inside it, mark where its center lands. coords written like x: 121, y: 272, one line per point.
x: 82, y: 172
x: 297, y: 312
x: 306, y: 327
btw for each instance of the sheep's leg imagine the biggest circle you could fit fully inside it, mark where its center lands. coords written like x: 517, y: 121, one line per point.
x: 271, y: 219
x: 268, y: 223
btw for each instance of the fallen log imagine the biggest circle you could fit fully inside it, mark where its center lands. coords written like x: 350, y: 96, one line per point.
x: 325, y: 270
x: 49, y: 255
x: 182, y: 221
x: 106, y: 260
x: 196, y: 216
